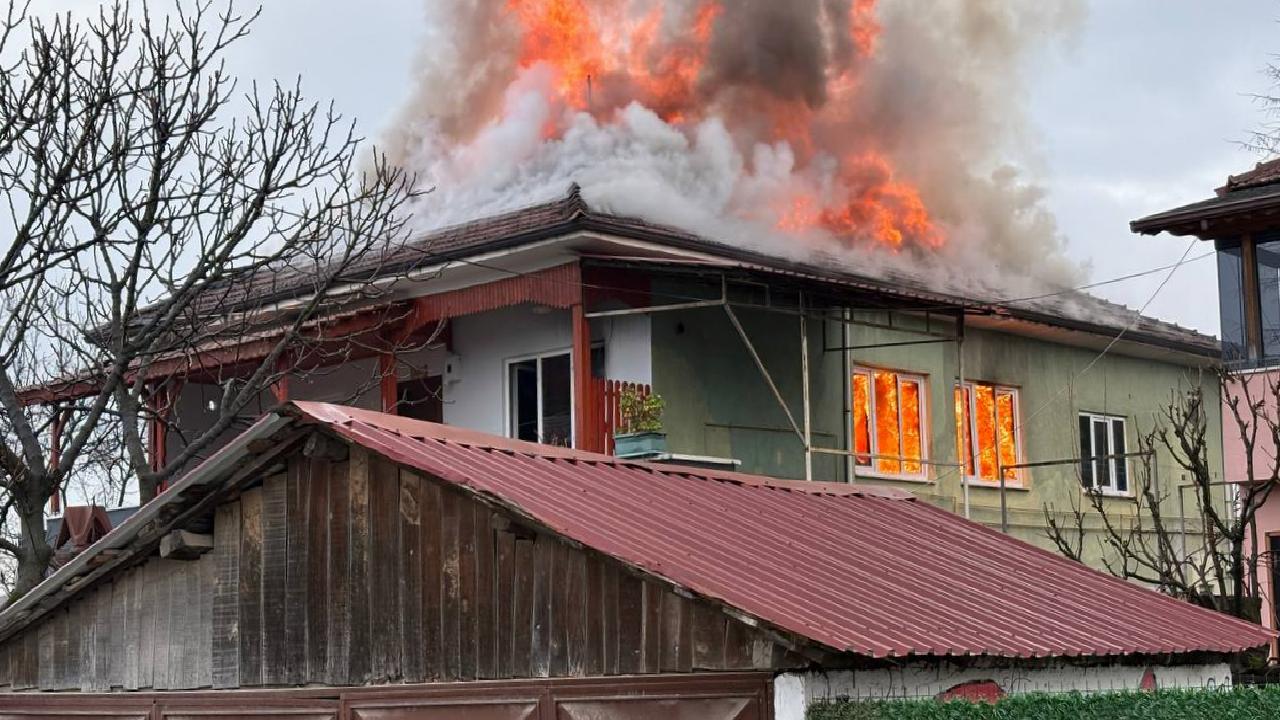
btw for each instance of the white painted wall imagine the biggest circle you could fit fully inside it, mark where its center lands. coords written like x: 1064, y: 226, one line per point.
x: 483, y: 344
x: 628, y: 347
x: 793, y: 693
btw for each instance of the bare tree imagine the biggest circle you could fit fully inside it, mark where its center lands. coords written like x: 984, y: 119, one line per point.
x: 1203, y: 553
x: 166, y: 227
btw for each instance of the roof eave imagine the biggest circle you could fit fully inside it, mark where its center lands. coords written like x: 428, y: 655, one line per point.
x: 1199, y: 221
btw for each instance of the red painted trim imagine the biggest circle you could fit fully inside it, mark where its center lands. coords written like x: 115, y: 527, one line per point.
x: 388, y: 382
x: 586, y: 432
x: 280, y: 388
x: 558, y: 287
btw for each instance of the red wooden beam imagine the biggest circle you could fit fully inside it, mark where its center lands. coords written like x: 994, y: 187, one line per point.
x: 582, y: 389
x: 388, y: 382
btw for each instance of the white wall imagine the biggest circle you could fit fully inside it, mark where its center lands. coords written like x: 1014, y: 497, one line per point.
x: 628, y: 347
x: 483, y: 344
x: 793, y: 693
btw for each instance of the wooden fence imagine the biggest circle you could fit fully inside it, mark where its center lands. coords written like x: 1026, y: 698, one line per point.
x: 604, y: 412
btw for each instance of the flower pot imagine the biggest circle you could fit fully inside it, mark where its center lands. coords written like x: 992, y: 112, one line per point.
x: 639, y: 445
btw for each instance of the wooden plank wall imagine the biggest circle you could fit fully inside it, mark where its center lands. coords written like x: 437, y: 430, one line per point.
x: 359, y: 573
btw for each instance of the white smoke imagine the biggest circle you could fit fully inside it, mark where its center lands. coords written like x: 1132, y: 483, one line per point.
x: 942, y: 98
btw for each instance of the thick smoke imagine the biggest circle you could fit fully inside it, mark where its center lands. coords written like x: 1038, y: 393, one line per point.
x: 813, y: 128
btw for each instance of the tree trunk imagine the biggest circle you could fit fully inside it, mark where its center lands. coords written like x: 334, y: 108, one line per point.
x: 36, y: 552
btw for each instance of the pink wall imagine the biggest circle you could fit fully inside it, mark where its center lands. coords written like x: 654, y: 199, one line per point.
x: 1267, y: 520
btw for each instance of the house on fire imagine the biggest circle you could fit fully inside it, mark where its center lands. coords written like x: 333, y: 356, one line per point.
x: 333, y: 562
x: 767, y: 365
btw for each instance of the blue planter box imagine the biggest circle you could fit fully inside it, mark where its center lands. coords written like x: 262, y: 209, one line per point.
x: 639, y: 445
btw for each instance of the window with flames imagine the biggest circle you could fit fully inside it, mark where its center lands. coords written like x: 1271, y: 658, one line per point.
x: 987, y: 432
x: 889, y: 423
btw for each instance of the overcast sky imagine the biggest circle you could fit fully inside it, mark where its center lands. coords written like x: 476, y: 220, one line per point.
x: 1141, y: 113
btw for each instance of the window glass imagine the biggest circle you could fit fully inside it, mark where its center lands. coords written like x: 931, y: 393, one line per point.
x: 1268, y: 252
x: 1118, y: 447
x: 987, y: 431
x: 523, y: 379
x: 984, y: 400
x: 541, y: 399
x: 557, y: 401
x: 862, y: 418
x: 911, y: 440
x: 964, y: 439
x: 1102, y: 441
x: 1006, y: 435
x: 1235, y: 347
x: 889, y: 430
x: 1086, y: 451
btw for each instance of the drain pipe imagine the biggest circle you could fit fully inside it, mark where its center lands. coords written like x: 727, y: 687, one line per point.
x: 804, y: 373
x: 850, y: 472
x: 964, y: 481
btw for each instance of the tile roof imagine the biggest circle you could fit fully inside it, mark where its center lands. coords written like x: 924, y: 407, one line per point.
x: 1253, y: 191
x: 855, y: 569
x: 1074, y: 309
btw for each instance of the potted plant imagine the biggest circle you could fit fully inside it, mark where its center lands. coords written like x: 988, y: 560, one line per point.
x: 639, y: 432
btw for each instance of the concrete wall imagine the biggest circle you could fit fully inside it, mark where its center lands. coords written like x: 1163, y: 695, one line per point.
x: 1247, y: 389
x: 484, y: 343
x: 793, y: 693
x: 719, y: 405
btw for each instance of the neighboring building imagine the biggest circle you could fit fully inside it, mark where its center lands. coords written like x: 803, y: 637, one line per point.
x: 1243, y: 223
x: 369, y: 566
x: 550, y: 307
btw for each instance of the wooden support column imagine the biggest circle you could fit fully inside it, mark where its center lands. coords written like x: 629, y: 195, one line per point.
x: 158, y: 431
x: 584, y: 434
x: 280, y: 388
x: 388, y: 382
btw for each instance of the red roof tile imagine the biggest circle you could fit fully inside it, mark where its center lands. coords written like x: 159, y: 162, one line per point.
x: 857, y: 569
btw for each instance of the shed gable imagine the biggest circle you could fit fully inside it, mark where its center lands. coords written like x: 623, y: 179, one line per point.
x: 357, y: 572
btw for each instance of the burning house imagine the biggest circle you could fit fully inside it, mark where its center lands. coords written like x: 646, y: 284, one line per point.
x: 735, y: 208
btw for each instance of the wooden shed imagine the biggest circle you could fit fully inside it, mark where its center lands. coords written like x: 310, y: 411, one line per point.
x: 337, y: 563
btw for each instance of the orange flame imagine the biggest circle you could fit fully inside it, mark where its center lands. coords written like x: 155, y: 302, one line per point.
x: 607, y: 53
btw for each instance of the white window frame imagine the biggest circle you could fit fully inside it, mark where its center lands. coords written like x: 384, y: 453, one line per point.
x: 871, y: 469
x: 1018, y: 480
x: 507, y: 399
x: 1110, y: 487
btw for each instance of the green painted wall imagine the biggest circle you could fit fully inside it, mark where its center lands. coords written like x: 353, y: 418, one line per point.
x: 720, y: 405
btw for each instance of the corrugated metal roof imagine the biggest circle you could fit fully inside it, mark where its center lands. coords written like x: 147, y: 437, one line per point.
x: 857, y: 569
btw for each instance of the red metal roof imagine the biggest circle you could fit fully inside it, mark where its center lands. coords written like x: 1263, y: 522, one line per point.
x: 858, y: 569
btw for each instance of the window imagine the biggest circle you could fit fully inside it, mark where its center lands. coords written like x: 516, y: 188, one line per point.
x: 1267, y: 250
x: 1235, y: 339
x: 1102, y: 442
x: 888, y: 423
x: 540, y: 399
x: 987, y: 432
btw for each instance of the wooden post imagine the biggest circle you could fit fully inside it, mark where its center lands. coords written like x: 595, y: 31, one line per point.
x: 159, y: 405
x: 388, y: 382
x: 1252, y: 298
x: 280, y: 388
x: 584, y: 434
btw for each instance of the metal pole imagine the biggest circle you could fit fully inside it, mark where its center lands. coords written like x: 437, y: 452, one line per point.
x: 1182, y: 514
x: 850, y: 472
x: 804, y: 382
x: 964, y: 481
x: 1004, y: 500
